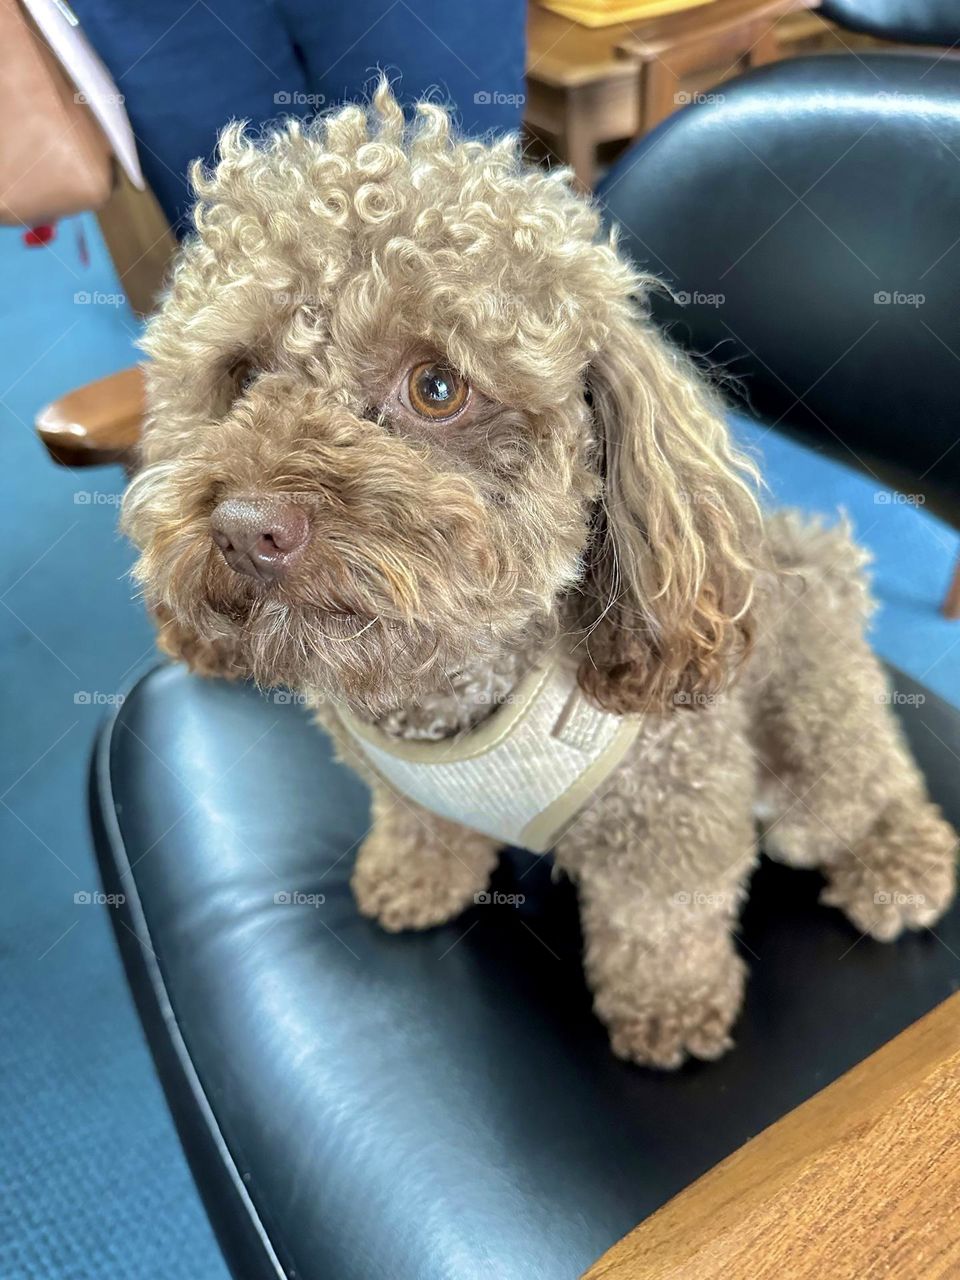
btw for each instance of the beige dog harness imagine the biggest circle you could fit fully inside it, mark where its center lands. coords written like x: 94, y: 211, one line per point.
x: 523, y: 774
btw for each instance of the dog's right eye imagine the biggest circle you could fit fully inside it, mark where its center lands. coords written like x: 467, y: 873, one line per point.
x: 241, y: 376
x: 435, y: 391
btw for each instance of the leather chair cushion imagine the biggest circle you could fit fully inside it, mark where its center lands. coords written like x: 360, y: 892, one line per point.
x: 912, y: 21
x: 806, y: 216
x: 440, y: 1105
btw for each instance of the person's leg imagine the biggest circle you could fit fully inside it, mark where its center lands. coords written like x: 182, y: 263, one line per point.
x: 186, y: 70
x: 470, y: 56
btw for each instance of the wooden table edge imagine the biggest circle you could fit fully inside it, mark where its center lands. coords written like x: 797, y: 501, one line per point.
x: 689, y: 1236
x: 646, y: 49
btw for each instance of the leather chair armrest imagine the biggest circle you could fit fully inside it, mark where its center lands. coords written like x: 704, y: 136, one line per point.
x: 96, y: 424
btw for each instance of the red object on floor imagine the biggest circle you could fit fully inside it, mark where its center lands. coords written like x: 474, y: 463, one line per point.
x: 39, y: 235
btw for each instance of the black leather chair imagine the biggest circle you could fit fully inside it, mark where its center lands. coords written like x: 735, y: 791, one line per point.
x: 908, y: 21
x: 818, y: 200
x: 357, y: 1105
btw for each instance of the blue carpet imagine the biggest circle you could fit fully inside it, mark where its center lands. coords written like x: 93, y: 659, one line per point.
x: 914, y: 552
x: 92, y: 1179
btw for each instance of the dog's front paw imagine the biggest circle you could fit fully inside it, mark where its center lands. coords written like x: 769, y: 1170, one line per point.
x: 902, y: 875
x: 665, y: 1027
x: 417, y: 891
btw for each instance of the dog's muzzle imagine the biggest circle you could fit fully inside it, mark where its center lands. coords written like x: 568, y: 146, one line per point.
x: 260, y: 536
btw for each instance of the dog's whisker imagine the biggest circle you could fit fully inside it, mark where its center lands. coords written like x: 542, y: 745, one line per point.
x: 356, y: 636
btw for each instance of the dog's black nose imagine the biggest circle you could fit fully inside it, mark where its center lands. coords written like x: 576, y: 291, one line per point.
x: 259, y: 536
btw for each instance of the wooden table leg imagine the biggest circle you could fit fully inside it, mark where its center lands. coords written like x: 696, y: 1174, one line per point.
x: 951, y: 602
x: 660, y: 89
x: 579, y: 138
x: 767, y: 48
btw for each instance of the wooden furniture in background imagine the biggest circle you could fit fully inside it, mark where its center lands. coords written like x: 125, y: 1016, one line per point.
x: 580, y: 92
x: 861, y: 1180
x: 602, y: 13
x: 587, y: 86
x: 140, y: 243
x: 951, y: 603
x: 689, y: 53
x: 100, y: 422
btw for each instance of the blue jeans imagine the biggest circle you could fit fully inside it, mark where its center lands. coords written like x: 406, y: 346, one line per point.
x: 185, y: 71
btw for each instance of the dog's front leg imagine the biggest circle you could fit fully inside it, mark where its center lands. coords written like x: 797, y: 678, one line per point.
x: 661, y: 862
x: 415, y: 870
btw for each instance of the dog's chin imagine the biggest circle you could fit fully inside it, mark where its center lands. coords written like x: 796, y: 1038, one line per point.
x: 323, y: 639
x: 370, y: 663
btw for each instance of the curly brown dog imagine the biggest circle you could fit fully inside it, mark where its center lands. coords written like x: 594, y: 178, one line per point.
x: 412, y: 438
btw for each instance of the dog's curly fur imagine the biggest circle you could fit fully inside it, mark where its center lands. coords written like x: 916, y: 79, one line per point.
x: 589, y: 495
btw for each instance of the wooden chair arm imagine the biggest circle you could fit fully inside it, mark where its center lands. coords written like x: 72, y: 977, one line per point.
x: 98, y: 423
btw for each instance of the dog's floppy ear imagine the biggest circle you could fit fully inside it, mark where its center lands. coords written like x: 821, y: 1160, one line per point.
x: 672, y: 562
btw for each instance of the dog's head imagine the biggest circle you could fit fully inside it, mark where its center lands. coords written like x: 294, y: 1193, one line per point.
x: 405, y: 410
